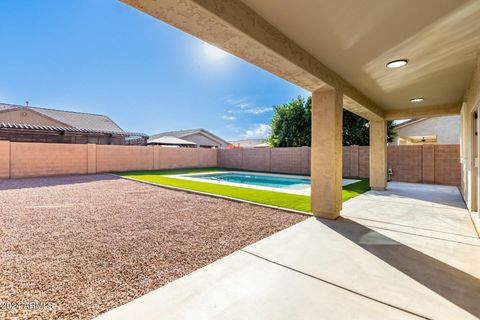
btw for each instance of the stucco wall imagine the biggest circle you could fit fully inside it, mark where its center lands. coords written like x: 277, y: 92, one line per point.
x: 471, y: 101
x: 21, y: 116
x: 447, y: 129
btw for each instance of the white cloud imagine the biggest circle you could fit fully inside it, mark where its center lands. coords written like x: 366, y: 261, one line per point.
x: 238, y: 101
x: 258, y: 110
x: 257, y: 131
x: 226, y: 117
x: 245, y: 105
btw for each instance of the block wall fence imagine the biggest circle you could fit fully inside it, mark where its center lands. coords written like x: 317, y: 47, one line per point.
x: 23, y: 159
x: 436, y: 164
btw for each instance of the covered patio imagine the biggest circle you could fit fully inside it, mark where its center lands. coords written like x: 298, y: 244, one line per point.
x: 360, y: 56
x: 400, y: 251
x: 405, y: 253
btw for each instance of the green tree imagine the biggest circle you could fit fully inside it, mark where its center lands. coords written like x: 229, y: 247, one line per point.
x: 355, y: 130
x: 291, y: 126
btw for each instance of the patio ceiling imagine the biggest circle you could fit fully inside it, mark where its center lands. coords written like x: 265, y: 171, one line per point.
x: 346, y: 44
x: 357, y: 39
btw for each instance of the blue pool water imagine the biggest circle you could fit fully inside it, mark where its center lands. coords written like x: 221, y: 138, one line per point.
x: 259, y: 180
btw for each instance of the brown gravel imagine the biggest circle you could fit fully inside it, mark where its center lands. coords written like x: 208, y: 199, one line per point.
x: 86, y: 244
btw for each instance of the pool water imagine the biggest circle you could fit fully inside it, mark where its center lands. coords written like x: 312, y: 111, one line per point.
x: 259, y: 180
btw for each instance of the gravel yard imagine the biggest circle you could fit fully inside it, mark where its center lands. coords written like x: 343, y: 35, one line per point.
x: 86, y: 244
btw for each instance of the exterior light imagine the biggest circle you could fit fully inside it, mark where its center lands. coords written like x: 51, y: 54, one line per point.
x: 414, y: 100
x: 397, y: 63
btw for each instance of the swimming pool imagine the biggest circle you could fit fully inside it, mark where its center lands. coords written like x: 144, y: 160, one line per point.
x: 286, y: 183
x: 271, y: 181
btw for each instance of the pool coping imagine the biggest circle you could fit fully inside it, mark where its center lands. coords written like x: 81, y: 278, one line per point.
x: 213, y: 195
x: 300, y: 192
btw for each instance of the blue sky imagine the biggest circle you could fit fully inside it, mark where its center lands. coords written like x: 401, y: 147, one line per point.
x: 102, y: 56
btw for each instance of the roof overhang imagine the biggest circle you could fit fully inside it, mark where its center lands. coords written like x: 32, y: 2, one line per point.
x: 345, y: 44
x: 169, y: 140
x: 34, y: 127
x: 206, y: 134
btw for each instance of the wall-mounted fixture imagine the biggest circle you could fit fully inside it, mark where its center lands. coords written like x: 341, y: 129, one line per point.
x: 389, y: 173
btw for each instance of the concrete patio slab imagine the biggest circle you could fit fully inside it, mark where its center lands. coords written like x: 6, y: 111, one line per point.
x: 409, y: 252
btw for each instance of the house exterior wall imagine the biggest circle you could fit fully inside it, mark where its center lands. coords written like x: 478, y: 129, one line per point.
x: 471, y: 101
x: 21, y: 116
x: 446, y: 129
x: 202, y: 140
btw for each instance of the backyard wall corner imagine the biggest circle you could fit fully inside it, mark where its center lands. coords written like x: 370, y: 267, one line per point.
x: 4, y: 159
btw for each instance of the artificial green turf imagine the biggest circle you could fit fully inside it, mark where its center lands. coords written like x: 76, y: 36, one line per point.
x: 279, y: 199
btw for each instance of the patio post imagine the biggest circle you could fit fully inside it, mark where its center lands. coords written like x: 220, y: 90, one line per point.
x: 378, y: 155
x: 326, y: 153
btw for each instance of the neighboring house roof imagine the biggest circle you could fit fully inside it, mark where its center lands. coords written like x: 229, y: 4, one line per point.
x: 170, y: 141
x: 262, y: 145
x: 247, y: 143
x: 407, y: 123
x: 65, y: 129
x: 79, y: 120
x: 186, y: 133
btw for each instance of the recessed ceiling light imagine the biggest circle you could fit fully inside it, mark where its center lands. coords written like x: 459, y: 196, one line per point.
x: 417, y: 100
x: 397, y: 63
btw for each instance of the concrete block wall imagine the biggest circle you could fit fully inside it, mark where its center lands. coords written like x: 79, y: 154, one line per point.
x: 363, y: 162
x: 20, y: 159
x: 41, y: 159
x: 4, y: 159
x: 428, y: 164
x: 170, y: 158
x: 290, y: 160
x: 124, y: 158
x: 283, y: 160
x: 406, y: 163
x: 438, y: 164
x: 230, y: 158
x: 447, y: 164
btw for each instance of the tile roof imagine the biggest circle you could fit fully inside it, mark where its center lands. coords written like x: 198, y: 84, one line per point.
x: 65, y: 129
x: 183, y: 133
x: 407, y: 122
x: 177, y: 134
x: 79, y: 120
x: 170, y: 140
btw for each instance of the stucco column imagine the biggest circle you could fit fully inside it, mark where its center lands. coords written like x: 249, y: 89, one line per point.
x: 326, y: 153
x: 378, y: 155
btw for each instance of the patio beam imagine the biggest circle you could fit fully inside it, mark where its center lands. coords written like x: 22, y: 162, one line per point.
x: 234, y: 27
x: 326, y: 153
x: 378, y: 155
x: 441, y: 110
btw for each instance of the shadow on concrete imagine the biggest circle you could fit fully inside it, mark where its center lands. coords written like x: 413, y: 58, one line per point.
x: 431, y: 195
x: 412, y: 227
x: 457, y: 286
x: 26, y: 183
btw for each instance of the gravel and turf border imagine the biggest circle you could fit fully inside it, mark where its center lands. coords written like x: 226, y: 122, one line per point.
x: 293, y: 203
